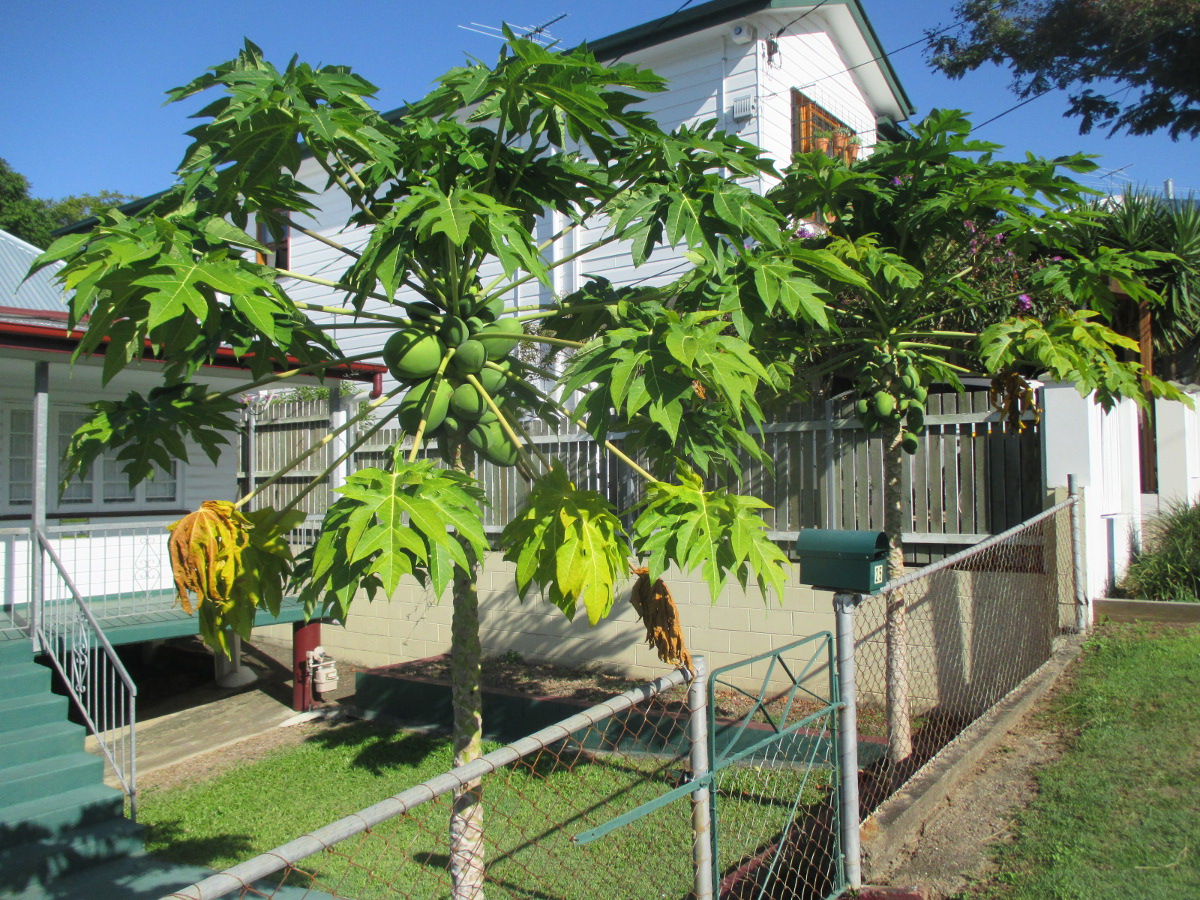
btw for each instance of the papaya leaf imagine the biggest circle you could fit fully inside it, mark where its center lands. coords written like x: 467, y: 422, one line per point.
x: 570, y: 544
x: 148, y: 432
x: 227, y: 565
x: 716, y: 532
x: 411, y: 519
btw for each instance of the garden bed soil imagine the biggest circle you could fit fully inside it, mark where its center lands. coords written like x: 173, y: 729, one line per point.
x: 586, y: 686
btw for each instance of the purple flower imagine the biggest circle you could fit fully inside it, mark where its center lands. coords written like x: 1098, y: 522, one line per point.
x: 1024, y: 303
x: 896, y: 182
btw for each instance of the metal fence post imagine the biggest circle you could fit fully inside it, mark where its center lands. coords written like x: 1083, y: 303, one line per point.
x: 844, y: 604
x: 1083, y: 604
x: 703, y: 836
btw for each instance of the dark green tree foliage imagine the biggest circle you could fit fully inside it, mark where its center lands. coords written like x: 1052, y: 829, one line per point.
x: 1130, y: 65
x: 20, y: 214
x: 1141, y: 221
x: 33, y: 219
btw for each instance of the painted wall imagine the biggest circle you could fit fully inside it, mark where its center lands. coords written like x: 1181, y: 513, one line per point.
x: 107, y: 557
x: 1177, y: 431
x: 1101, y: 449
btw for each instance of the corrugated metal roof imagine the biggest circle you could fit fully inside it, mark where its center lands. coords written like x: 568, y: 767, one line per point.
x: 38, y: 293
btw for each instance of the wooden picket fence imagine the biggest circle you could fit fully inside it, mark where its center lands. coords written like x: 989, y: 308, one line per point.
x: 974, y: 475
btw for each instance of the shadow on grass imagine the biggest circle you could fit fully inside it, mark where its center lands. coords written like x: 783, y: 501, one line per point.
x: 170, y: 839
x: 380, y: 750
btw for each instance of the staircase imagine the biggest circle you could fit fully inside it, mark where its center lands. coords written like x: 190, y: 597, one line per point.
x: 63, y: 832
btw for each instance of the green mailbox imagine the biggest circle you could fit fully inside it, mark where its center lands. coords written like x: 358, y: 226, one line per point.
x: 843, y: 560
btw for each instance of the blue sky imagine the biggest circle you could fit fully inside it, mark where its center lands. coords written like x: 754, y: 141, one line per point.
x: 84, y: 81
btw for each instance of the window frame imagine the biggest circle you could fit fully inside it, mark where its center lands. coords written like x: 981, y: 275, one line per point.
x: 100, y: 476
x: 808, y: 116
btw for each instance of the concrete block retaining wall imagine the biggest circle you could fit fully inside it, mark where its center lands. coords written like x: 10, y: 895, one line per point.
x: 415, y: 624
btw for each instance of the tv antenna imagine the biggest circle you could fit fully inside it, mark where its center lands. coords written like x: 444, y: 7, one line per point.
x: 539, y: 34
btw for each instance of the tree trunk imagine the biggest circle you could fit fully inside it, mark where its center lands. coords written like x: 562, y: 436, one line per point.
x: 899, y: 720
x: 466, y: 816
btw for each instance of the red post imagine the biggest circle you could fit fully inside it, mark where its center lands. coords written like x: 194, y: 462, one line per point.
x: 305, y: 637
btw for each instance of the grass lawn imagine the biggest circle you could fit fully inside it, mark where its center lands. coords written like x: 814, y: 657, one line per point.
x: 1119, y: 814
x: 532, y: 812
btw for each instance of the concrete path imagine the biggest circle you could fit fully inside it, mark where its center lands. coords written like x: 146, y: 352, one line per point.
x: 209, y: 717
x: 181, y: 735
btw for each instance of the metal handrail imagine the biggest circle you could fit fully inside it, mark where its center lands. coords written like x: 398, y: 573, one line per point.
x: 121, y: 752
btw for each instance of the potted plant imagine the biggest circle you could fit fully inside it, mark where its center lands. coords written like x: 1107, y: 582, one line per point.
x: 822, y: 139
x: 853, y: 146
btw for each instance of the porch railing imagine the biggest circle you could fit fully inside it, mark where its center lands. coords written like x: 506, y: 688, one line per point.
x: 92, y: 673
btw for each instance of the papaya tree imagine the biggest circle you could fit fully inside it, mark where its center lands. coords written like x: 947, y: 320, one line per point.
x: 968, y: 265
x: 445, y: 200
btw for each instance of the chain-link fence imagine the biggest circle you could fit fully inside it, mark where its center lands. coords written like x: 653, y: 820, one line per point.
x: 537, y: 796
x: 654, y: 793
x: 938, y: 647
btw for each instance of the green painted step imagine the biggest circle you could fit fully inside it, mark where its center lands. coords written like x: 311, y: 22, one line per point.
x: 47, y: 777
x: 29, y: 710
x: 12, y: 651
x: 42, y: 856
x: 41, y: 742
x: 69, y: 809
x: 26, y: 677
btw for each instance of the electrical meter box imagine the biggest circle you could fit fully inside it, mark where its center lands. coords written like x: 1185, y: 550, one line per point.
x: 848, y: 561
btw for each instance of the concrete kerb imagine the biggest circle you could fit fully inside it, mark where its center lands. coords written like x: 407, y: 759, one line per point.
x: 900, y: 819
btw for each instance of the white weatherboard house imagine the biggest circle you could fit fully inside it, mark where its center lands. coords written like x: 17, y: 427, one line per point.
x: 774, y: 73
x: 771, y: 72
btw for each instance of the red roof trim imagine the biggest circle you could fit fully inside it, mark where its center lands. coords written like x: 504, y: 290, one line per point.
x: 23, y: 336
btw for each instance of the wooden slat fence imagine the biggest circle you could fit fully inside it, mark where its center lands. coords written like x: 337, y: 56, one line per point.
x: 973, y: 476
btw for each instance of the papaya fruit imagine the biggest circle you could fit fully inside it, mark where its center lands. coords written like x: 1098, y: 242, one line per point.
x: 910, y: 443
x: 413, y: 353
x: 413, y: 405
x: 490, y: 441
x: 453, y: 331
x: 885, y: 404
x: 861, y: 405
x: 490, y: 311
x: 470, y: 357
x: 466, y: 402
x: 494, y: 379
x: 500, y: 337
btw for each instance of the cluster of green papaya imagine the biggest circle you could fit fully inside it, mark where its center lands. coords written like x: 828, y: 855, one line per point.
x: 896, y: 397
x: 453, y: 407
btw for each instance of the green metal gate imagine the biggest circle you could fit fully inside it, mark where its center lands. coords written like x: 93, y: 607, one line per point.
x: 780, y: 761
x: 764, y: 782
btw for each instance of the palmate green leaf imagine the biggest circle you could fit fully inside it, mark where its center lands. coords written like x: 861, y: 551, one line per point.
x: 680, y: 384
x: 148, y: 431
x: 716, y: 532
x: 410, y: 519
x: 570, y: 544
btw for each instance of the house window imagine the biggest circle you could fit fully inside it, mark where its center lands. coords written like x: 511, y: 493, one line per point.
x: 104, y: 489
x: 20, y: 458
x: 277, y: 244
x: 813, y: 125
